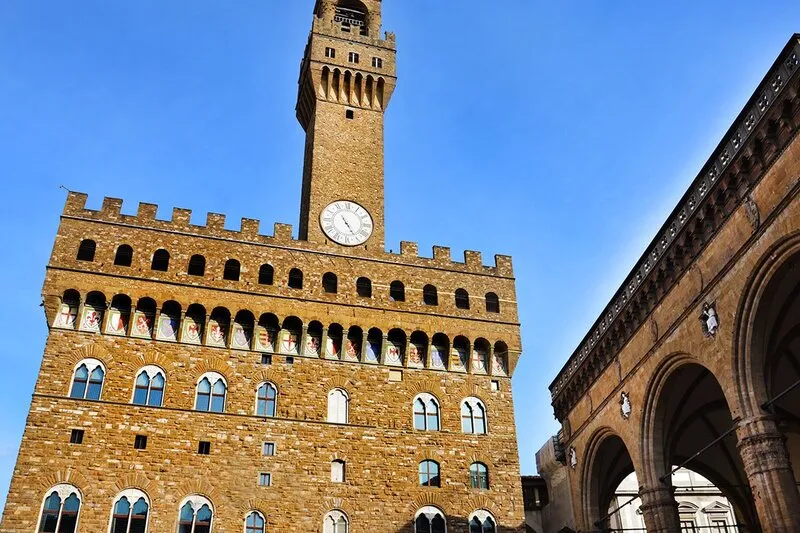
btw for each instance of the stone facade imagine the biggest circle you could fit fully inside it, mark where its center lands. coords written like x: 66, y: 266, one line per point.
x: 128, y: 309
x: 695, y: 361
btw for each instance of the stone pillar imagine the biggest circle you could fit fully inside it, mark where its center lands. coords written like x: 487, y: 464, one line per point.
x: 769, y: 472
x: 660, y: 510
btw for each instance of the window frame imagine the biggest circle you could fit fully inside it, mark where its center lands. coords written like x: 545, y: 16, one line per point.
x: 133, y: 496
x: 91, y: 365
x: 426, y: 398
x: 430, y: 512
x: 217, y: 377
x: 87, y: 254
x: 427, y: 463
x: 152, y: 372
x: 474, y: 404
x: 267, y: 385
x: 196, y: 502
x: 120, y: 260
x: 342, y: 465
x: 64, y: 491
x: 346, y: 399
x: 335, y: 515
x: 255, y: 529
x: 482, y: 515
x: 476, y: 476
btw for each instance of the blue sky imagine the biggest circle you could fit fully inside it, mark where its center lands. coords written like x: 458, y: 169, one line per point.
x: 561, y: 133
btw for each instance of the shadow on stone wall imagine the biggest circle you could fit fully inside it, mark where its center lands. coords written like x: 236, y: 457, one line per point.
x: 461, y: 525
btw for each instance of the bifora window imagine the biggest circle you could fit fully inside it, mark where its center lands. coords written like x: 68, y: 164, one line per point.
x: 60, y: 510
x: 426, y: 413
x: 130, y: 512
x: 267, y: 400
x: 337, y: 406
x: 87, y: 382
x: 196, y: 515
x: 429, y: 474
x: 149, y: 389
x: 335, y: 522
x: 473, y: 416
x: 430, y: 520
x: 482, y: 522
x: 211, y: 391
x: 254, y: 523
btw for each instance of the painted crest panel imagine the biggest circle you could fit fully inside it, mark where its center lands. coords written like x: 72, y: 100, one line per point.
x: 459, y: 359
x: 480, y: 360
x: 242, y: 336
x: 67, y: 314
x: 217, y: 333
x: 118, y: 322
x: 416, y: 355
x: 167, y: 328
x: 289, y: 343
x: 373, y: 352
x: 333, y: 348
x: 192, y: 331
x: 91, y: 319
x: 265, y: 339
x: 143, y: 324
x: 352, y: 350
x: 438, y: 357
x: 394, y: 353
x: 313, y: 343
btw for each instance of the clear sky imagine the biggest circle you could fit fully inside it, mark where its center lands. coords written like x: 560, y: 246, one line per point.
x: 561, y: 133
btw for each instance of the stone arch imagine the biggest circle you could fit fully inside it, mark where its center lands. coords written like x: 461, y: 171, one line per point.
x: 200, y: 487
x: 748, y: 363
x: 428, y: 385
x: 685, y: 411
x: 431, y: 498
x: 211, y: 364
x: 606, y: 461
x: 68, y: 476
x: 135, y: 480
x: 94, y: 350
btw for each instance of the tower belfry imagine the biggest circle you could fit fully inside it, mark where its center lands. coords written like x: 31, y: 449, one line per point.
x: 347, y: 78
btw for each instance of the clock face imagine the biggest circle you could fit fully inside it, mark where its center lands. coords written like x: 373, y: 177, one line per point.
x: 346, y: 223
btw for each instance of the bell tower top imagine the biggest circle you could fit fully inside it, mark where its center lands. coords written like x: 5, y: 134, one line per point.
x: 357, y: 16
x: 347, y: 78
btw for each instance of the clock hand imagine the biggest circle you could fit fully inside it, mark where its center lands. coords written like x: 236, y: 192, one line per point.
x: 346, y: 223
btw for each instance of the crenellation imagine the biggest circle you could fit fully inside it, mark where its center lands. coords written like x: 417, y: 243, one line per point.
x: 215, y: 222
x: 146, y: 212
x: 76, y: 203
x: 282, y: 232
x: 441, y: 254
x: 473, y: 260
x: 409, y: 249
x: 504, y: 265
x: 250, y: 228
x: 112, y: 208
x: 181, y: 218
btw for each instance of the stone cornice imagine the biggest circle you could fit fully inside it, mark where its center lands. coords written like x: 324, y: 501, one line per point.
x: 762, y: 130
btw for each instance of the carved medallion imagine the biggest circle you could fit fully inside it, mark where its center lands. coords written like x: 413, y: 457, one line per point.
x: 625, y: 406
x: 709, y: 319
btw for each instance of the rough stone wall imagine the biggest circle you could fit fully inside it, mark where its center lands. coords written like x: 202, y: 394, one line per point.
x: 379, y: 445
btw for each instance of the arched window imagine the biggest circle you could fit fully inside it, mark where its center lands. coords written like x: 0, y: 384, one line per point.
x: 232, y: 270
x: 267, y: 399
x: 426, y: 413
x: 364, y: 287
x: 337, y: 406
x: 462, y: 299
x: 197, y: 266
x: 86, y: 250
x: 492, y: 303
x: 473, y: 416
x: 130, y: 512
x: 60, y: 510
x: 397, y: 291
x: 160, y: 261
x: 255, y: 523
x: 429, y: 519
x: 478, y: 476
x: 330, y: 283
x: 149, y: 388
x: 266, y: 275
x: 482, y: 522
x: 124, y: 256
x: 87, y: 381
x: 429, y: 295
x: 337, y: 471
x: 211, y: 391
x: 335, y: 522
x: 196, y: 515
x: 295, y: 278
x: 429, y: 474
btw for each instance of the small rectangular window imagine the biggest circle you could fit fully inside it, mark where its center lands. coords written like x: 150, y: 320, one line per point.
x: 204, y: 448
x: 377, y: 62
x: 140, y: 442
x: 289, y: 360
x: 330, y: 52
x: 495, y: 385
x: 395, y: 375
x: 76, y: 437
x: 269, y: 449
x: 265, y: 479
x: 350, y: 114
x: 353, y: 57
x: 266, y: 358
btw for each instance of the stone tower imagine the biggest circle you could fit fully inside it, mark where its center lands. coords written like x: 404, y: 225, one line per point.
x: 347, y: 78
x: 199, y: 379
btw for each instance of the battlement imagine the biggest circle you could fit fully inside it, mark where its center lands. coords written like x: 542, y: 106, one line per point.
x: 180, y: 222
x: 326, y: 27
